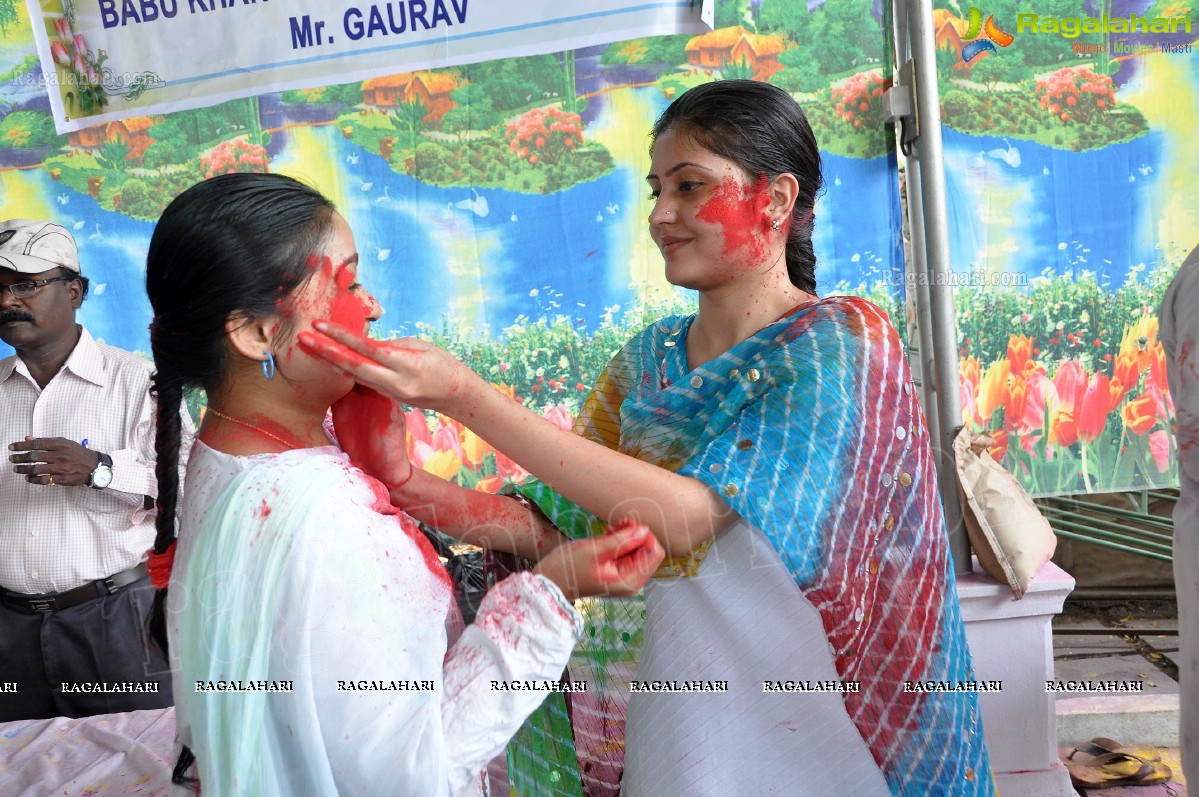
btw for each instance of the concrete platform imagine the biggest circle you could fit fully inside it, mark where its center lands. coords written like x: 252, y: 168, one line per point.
x: 1129, y: 719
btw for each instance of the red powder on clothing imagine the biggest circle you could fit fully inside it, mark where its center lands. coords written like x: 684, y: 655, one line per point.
x: 740, y: 213
x: 264, y: 511
x: 384, y: 506
x: 506, y: 615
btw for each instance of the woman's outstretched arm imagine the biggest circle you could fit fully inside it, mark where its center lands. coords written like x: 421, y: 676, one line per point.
x: 371, y: 429
x: 681, y: 511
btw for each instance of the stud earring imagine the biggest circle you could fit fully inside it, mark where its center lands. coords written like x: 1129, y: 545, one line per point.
x: 268, y: 366
x: 774, y: 224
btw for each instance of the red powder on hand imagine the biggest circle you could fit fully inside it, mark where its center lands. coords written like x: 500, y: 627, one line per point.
x: 331, y: 350
x: 626, y: 523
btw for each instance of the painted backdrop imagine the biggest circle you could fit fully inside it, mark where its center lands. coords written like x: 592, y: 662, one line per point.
x: 1069, y: 136
x: 500, y: 210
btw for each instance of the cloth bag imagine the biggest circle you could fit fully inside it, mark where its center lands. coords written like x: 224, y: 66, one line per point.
x: 1010, y: 536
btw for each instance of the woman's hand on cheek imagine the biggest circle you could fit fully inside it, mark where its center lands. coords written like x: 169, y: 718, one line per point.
x: 371, y: 430
x: 411, y: 370
x: 617, y: 564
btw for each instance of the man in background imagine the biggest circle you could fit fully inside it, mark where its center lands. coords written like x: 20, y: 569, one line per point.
x: 1179, y: 334
x: 76, y: 496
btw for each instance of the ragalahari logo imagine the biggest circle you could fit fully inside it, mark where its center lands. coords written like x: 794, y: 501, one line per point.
x: 981, y: 37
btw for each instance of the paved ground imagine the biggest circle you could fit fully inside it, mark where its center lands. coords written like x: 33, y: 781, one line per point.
x: 1128, y: 643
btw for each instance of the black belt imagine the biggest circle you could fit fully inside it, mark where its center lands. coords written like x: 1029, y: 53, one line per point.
x: 56, y: 602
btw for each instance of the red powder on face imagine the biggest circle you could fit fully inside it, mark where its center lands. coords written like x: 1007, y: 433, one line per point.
x: 349, y: 311
x: 347, y: 308
x: 344, y: 308
x: 740, y: 213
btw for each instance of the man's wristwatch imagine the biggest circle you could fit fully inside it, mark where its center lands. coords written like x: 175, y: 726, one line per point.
x: 102, y: 476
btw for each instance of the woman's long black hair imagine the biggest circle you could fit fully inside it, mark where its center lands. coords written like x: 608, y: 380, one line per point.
x: 232, y: 245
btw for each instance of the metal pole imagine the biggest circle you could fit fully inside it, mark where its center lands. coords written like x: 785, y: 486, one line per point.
x: 920, y: 348
x: 926, y: 194
x: 918, y: 283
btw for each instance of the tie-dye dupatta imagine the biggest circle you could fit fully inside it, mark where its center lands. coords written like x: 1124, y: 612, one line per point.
x: 812, y: 432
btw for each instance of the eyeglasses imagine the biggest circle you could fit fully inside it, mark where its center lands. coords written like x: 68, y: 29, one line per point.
x: 23, y: 290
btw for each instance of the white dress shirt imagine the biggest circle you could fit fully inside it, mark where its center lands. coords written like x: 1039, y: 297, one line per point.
x: 56, y: 538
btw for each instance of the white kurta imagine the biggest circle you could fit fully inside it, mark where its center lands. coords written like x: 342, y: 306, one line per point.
x: 355, y: 603
x: 742, y: 619
x: 1179, y: 330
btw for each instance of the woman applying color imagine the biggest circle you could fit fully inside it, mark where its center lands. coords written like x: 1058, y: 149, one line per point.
x: 774, y: 444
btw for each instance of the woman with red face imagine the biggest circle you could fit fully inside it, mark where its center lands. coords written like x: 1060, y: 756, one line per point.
x: 773, y: 443
x: 312, y: 630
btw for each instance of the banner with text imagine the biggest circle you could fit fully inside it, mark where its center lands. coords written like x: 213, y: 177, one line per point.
x: 105, y: 60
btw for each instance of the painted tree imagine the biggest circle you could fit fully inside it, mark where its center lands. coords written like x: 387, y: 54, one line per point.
x: 409, y: 117
x: 8, y: 15
x: 113, y: 154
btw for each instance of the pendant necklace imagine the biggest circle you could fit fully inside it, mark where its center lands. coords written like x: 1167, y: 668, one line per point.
x: 260, y: 430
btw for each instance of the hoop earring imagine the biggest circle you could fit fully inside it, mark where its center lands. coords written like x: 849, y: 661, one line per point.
x: 268, y: 366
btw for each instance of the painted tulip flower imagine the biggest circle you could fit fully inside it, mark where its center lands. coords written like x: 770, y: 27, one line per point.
x: 993, y: 388
x: 1019, y: 352
x: 443, y: 464
x: 1091, y: 415
x: 1140, y: 338
x: 969, y: 369
x: 1140, y: 414
x: 1127, y: 371
x: 447, y: 437
x: 1062, y: 429
x: 1159, y: 447
x: 1157, y: 368
x: 474, y: 449
x: 999, y: 450
x: 1041, y: 395
x: 1070, y: 383
x: 1014, y: 404
x: 966, y: 396
x: 560, y: 417
x: 418, y: 429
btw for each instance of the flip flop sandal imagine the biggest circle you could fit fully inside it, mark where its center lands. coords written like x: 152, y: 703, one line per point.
x: 1147, y: 753
x: 1093, y: 765
x: 1101, y: 744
